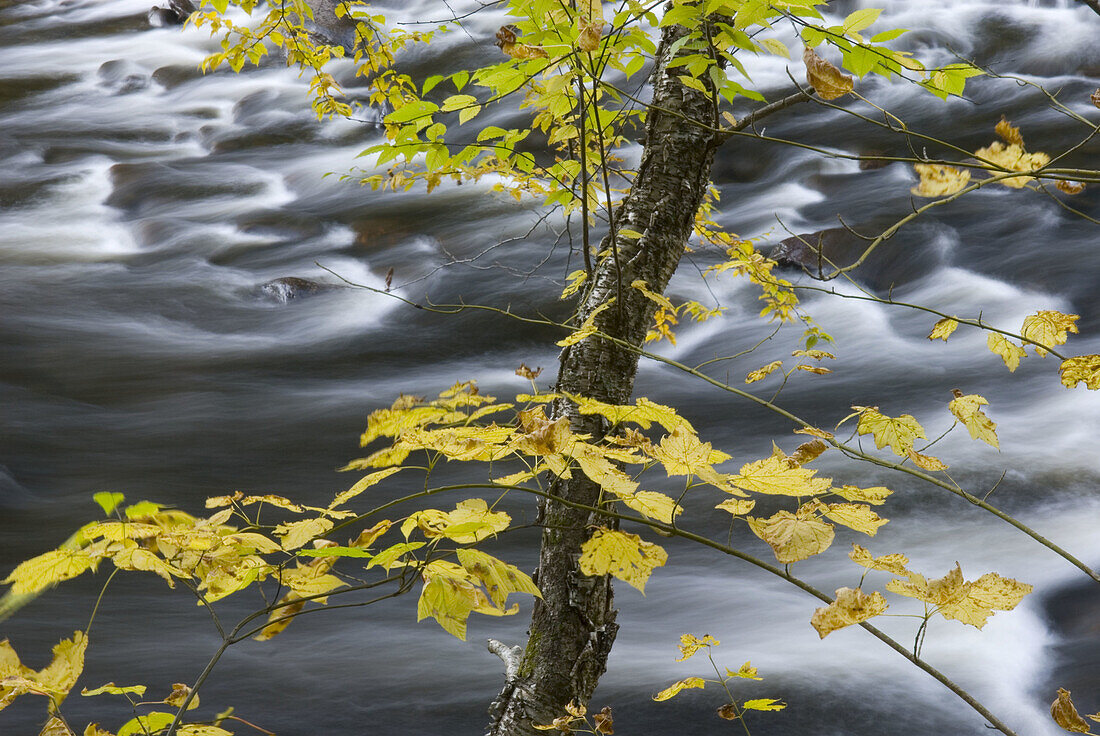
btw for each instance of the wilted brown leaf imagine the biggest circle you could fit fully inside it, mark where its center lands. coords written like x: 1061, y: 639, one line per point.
x: 507, y: 42
x: 1065, y: 715
x: 1096, y: 97
x: 807, y: 451
x: 729, y: 712
x: 828, y: 81
x: 524, y: 372
x: 1009, y: 132
x: 1070, y: 187
x: 604, y: 722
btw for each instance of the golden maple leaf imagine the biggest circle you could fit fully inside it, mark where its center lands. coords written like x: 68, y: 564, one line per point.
x: 967, y: 409
x: 938, y: 180
x: 1081, y: 368
x: 1048, y: 328
x: 850, y: 607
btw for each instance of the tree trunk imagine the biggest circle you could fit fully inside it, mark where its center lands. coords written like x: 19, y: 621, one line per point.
x: 573, y: 625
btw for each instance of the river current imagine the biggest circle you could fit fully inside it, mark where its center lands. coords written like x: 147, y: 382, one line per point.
x: 144, y: 206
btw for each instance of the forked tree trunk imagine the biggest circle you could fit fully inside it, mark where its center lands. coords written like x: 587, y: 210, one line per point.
x: 573, y: 626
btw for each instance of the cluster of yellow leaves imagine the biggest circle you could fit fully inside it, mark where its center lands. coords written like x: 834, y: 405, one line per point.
x: 953, y: 597
x: 1042, y: 331
x: 901, y: 433
x: 814, y: 355
x: 1008, y: 155
x: 731, y: 711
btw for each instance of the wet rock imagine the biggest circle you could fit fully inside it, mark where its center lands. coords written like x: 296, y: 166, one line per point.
x: 172, y: 14
x: 291, y: 287
x: 122, y: 76
x: 176, y: 74
x: 331, y: 29
x: 910, y: 254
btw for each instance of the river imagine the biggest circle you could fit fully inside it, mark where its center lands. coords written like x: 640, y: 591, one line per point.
x: 145, y: 205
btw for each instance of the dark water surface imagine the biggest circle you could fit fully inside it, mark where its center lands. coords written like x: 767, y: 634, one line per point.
x: 143, y: 207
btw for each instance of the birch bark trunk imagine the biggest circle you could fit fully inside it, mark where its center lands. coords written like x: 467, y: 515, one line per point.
x: 573, y: 626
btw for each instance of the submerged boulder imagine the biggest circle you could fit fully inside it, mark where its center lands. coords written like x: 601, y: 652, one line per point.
x: 287, y: 288
x: 174, y: 13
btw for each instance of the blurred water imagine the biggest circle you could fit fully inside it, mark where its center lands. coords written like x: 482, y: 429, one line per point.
x: 144, y: 206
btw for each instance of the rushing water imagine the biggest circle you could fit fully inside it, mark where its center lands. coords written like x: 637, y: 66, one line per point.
x: 144, y: 206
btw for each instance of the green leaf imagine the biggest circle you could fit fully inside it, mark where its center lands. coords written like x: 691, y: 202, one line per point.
x: 108, y: 501
x: 861, y: 19
x: 147, y: 724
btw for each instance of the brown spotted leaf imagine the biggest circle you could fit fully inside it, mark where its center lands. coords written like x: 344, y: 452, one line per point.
x: 1065, y: 714
x: 828, y: 81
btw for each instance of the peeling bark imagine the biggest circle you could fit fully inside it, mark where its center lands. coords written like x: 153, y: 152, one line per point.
x: 573, y: 626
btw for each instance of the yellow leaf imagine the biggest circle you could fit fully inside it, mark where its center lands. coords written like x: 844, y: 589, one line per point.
x: 55, y: 726
x: 68, y: 662
x: 497, y: 577
x: 898, y: 432
x: 949, y: 589
x: 774, y: 475
x: 196, y: 729
x: 178, y: 696
x: 815, y: 432
x: 49, y: 568
x: 826, y: 79
x: 894, y: 563
x: 737, y: 506
x: 875, y: 495
x: 364, y: 483
x: 850, y: 607
x: 296, y: 533
x: 132, y: 557
x: 927, y: 462
x: 777, y: 47
x: 943, y: 329
x: 819, y: 370
x: 747, y: 672
x: 1062, y: 710
x: 1013, y: 157
x: 793, y: 537
x: 1009, y: 351
x: 367, y: 537
x: 690, y: 644
x: 574, y: 282
x: 763, y: 704
x: 762, y: 373
x: 625, y: 556
x: 681, y: 453
x: 1008, y: 132
x: 150, y: 723
x: 1048, y: 328
x: 987, y: 594
x: 587, y: 328
x: 937, y: 180
x: 279, y: 618
x: 308, y: 581
x: 856, y: 516
x: 653, y: 505
x: 672, y: 690
x: 967, y: 410
x: 111, y: 689
x: 1081, y: 368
